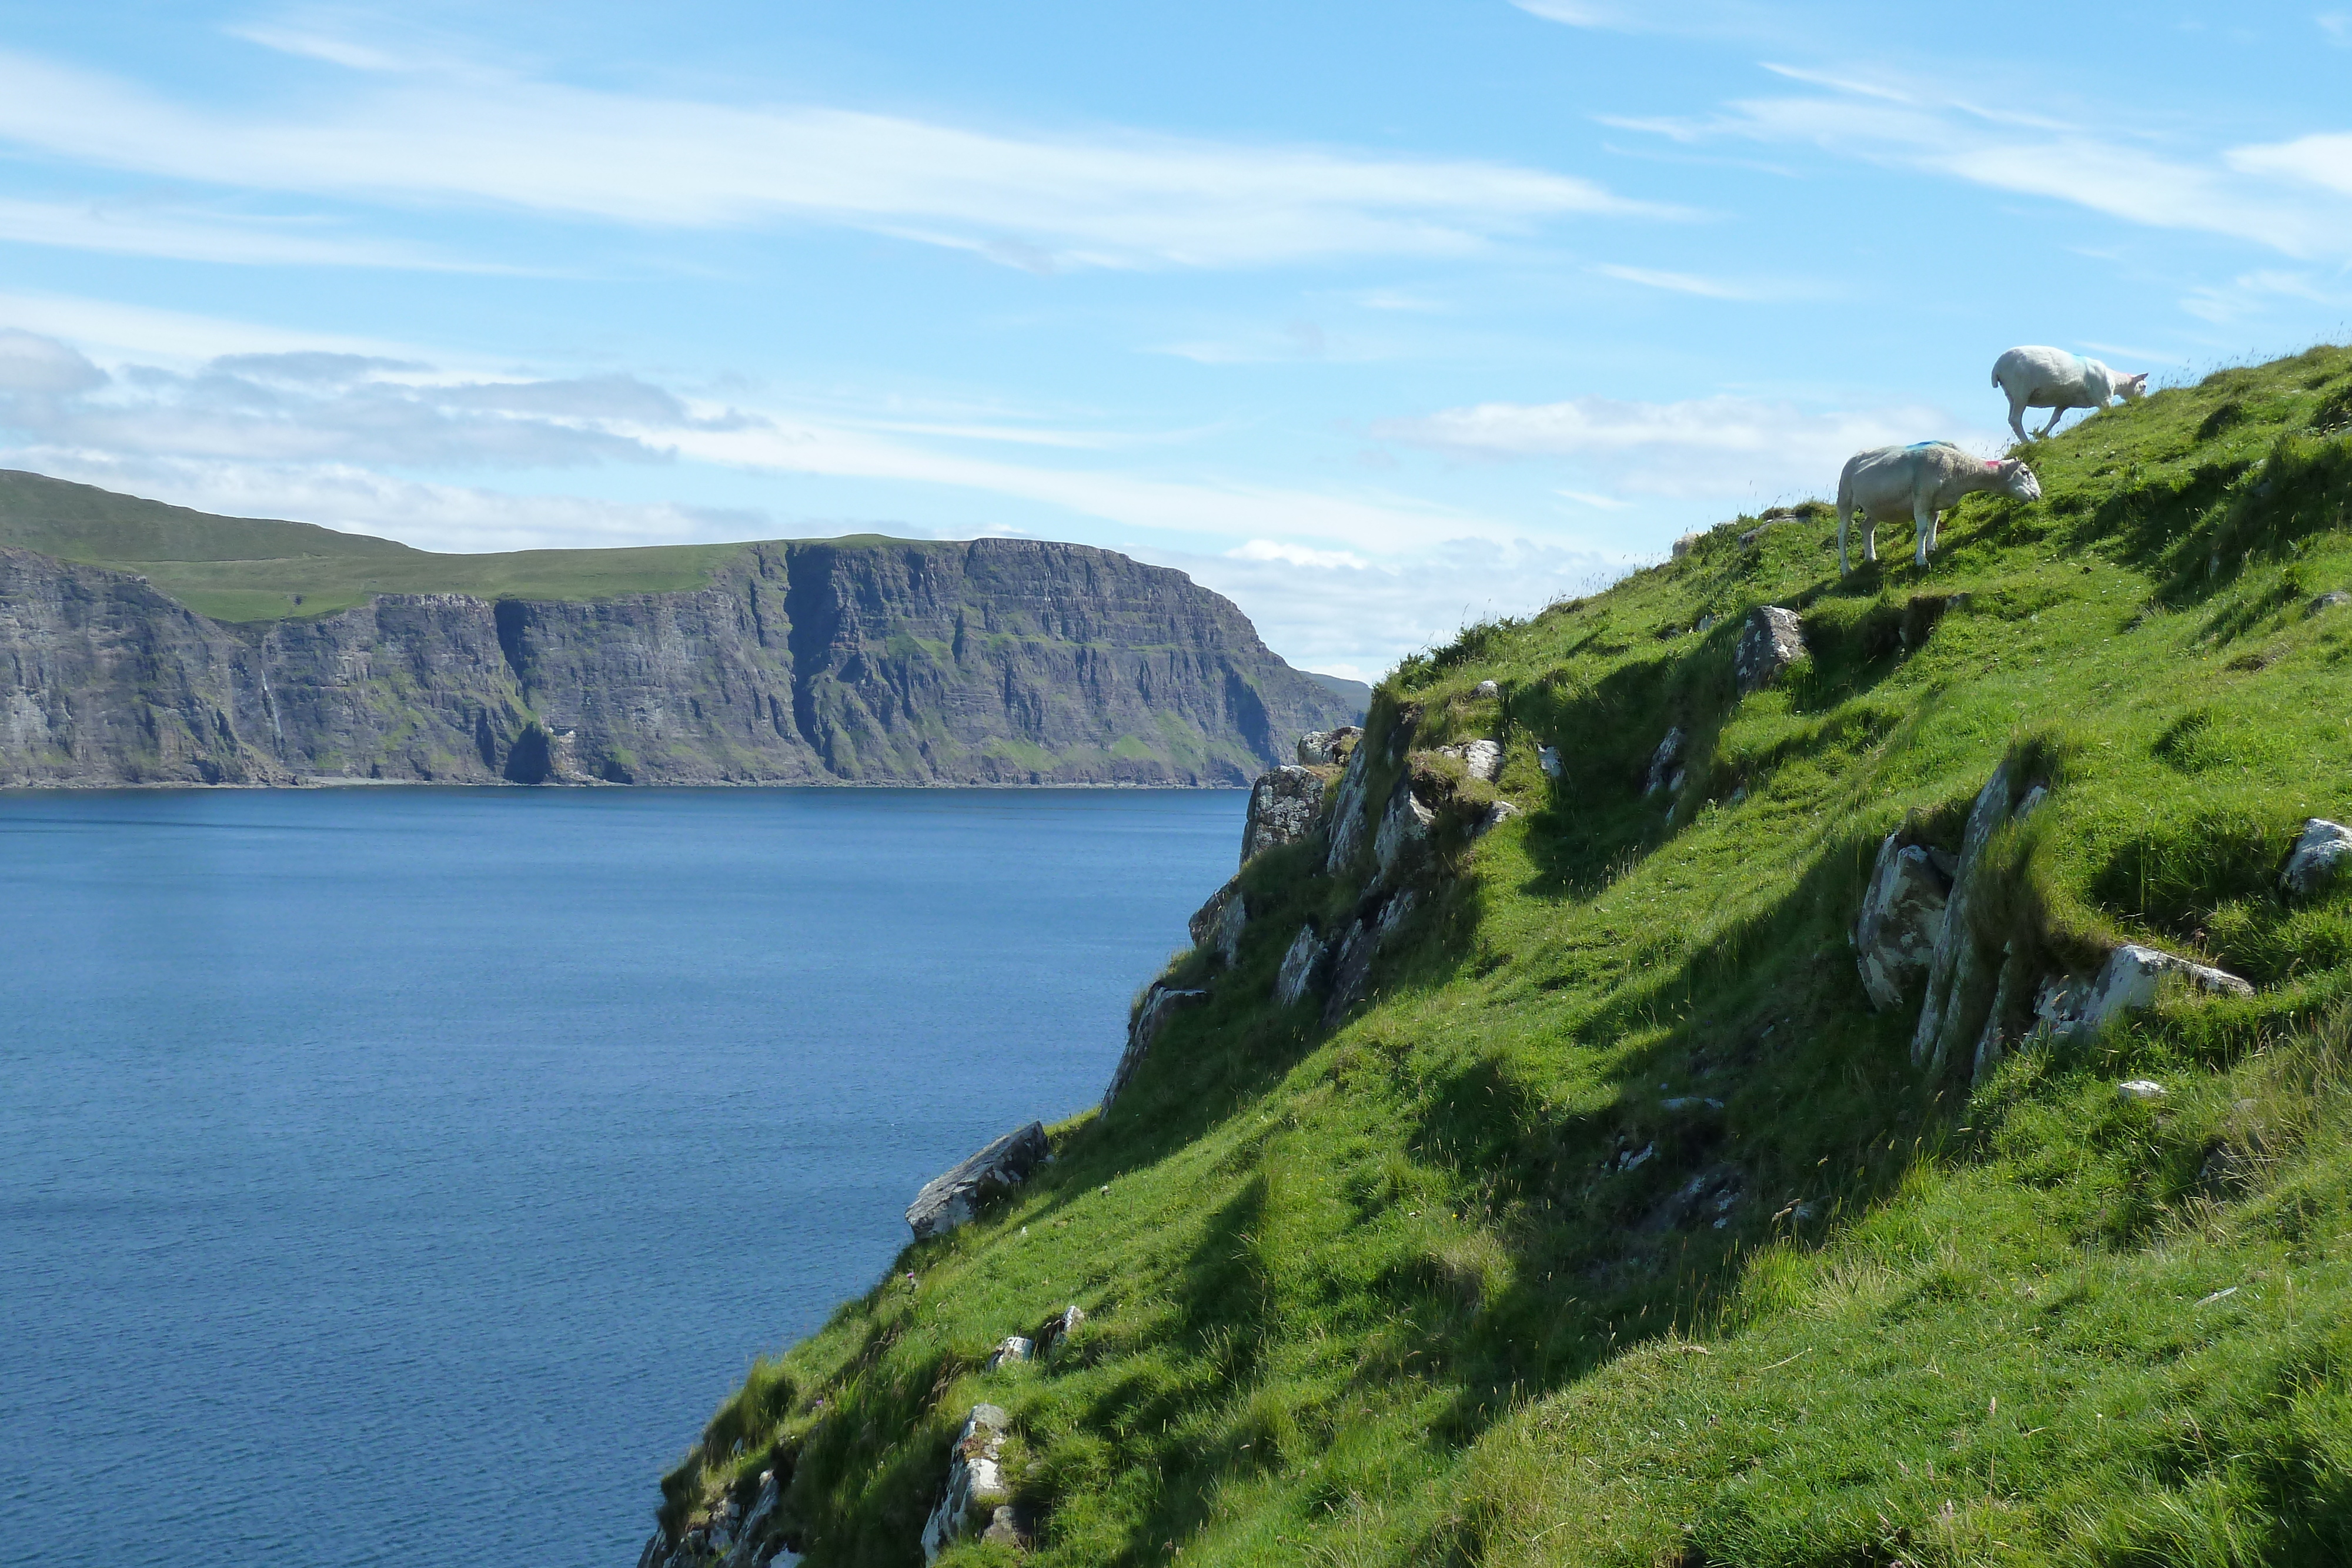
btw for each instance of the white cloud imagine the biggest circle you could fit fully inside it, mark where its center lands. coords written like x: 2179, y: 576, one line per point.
x: 42, y: 367
x: 132, y: 229
x: 2261, y: 192
x: 1676, y: 282
x: 1297, y: 555
x: 1105, y: 198
x: 1587, y: 498
x: 1712, y: 447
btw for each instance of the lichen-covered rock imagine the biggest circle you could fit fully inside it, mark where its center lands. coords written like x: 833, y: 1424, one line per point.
x: 2318, y: 857
x: 1009, y: 1350
x: 1160, y: 1004
x: 1059, y: 1327
x: 1961, y: 976
x: 1282, y: 808
x: 1302, y: 967
x: 978, y: 1498
x: 2131, y: 979
x: 1348, y: 829
x: 1666, y: 763
x: 1327, y: 748
x: 1481, y: 760
x: 1485, y: 691
x: 1548, y: 758
x: 1902, y: 916
x: 750, y: 1536
x: 1771, y: 641
x: 952, y: 1198
x: 2334, y: 599
x: 1218, y: 925
x: 1351, y: 962
x: 1404, y: 831
x: 1498, y: 813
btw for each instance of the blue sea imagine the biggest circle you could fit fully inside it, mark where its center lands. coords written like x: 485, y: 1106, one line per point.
x: 402, y: 1177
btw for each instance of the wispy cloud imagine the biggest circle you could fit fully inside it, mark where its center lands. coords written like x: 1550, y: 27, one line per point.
x: 2264, y: 193
x: 1711, y: 447
x: 1678, y: 282
x: 1111, y: 197
x: 182, y: 235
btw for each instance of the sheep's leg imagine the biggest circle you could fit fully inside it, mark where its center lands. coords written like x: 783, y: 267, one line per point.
x: 2055, y: 416
x: 2017, y: 415
x: 1924, y: 515
x: 1869, y: 537
x: 1845, y: 523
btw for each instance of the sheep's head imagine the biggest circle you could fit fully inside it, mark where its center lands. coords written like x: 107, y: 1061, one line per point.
x: 2015, y: 480
x: 2131, y: 387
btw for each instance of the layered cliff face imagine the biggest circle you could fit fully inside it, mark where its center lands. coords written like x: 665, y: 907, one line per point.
x: 997, y: 661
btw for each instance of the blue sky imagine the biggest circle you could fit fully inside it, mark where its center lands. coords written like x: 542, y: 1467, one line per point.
x: 1375, y: 316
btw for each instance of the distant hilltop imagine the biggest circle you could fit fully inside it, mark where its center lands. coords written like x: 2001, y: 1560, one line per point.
x: 145, y: 643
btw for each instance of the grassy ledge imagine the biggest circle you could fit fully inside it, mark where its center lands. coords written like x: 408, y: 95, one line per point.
x: 1615, y: 1226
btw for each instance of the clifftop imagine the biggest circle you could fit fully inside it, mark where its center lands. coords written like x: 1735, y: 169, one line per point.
x: 1595, y: 1184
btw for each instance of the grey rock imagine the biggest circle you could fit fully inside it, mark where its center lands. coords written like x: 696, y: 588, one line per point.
x: 751, y: 1535
x: 1059, y: 1327
x: 1771, y: 641
x: 1902, y: 916
x: 1352, y: 963
x: 952, y: 1197
x: 2141, y: 1089
x: 1684, y: 545
x: 1302, y: 967
x: 1009, y: 1350
x: 2318, y: 858
x: 1682, y: 1103
x: 1348, y: 829
x: 998, y: 661
x: 2334, y: 599
x: 1159, y: 1003
x: 1960, y: 979
x: 2130, y: 980
x: 1498, y: 813
x: 1404, y: 832
x: 977, y: 1490
x: 1282, y: 808
x: 1322, y: 747
x: 2032, y: 803
x: 1481, y: 760
x: 1548, y: 758
x: 1665, y: 762
x: 1219, y: 924
x: 1485, y: 691
x: 1706, y: 623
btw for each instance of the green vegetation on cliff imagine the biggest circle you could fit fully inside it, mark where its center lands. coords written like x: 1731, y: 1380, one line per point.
x: 1615, y: 1227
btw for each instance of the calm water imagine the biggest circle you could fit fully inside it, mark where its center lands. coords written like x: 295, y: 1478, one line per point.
x: 402, y: 1177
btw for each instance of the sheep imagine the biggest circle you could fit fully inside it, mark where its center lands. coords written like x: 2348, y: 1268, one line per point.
x: 2058, y: 381
x: 1923, y: 479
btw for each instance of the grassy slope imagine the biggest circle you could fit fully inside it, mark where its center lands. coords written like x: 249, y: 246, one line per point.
x: 255, y: 568
x: 1378, y: 1294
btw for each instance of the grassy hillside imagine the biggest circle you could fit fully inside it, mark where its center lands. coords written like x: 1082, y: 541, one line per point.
x: 253, y: 568
x: 1406, y: 1290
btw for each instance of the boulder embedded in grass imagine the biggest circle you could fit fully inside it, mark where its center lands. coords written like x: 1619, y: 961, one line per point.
x: 1902, y: 916
x: 1282, y: 808
x: 952, y: 1198
x: 979, y: 1499
x: 1771, y: 641
x: 2320, y: 851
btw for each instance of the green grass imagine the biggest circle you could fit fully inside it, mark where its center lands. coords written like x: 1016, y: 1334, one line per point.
x: 1401, y: 1292
x: 249, y: 569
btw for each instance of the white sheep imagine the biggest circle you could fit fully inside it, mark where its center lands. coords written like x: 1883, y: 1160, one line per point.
x: 2058, y: 381
x: 1923, y: 481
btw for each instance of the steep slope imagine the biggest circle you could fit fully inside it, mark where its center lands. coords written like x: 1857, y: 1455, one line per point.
x: 1583, y: 1209
x: 860, y: 660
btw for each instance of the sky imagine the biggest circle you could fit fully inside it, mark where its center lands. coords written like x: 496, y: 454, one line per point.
x: 1377, y: 317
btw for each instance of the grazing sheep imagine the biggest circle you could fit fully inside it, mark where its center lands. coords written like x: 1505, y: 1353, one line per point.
x: 2058, y: 381
x: 1923, y: 481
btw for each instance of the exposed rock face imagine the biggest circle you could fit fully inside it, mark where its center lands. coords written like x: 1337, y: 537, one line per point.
x: 1327, y: 748
x: 1351, y: 962
x: 1218, y: 925
x: 952, y: 1198
x: 1770, y: 643
x: 1059, y: 1327
x: 1347, y: 825
x: 2317, y: 859
x: 1404, y: 832
x: 1010, y: 1349
x: 977, y: 1501
x: 1282, y: 810
x: 1961, y: 976
x: 1160, y: 1004
x: 1481, y: 760
x: 999, y: 660
x: 1667, y: 765
x: 1902, y: 916
x: 2129, y: 981
x: 1302, y: 965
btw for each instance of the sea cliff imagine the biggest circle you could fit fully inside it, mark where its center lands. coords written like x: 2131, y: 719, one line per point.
x: 867, y: 661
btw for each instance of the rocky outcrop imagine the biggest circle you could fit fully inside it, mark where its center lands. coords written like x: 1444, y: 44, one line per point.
x: 1902, y: 916
x: 978, y: 1499
x: 2131, y: 978
x: 1404, y: 831
x: 2321, y: 848
x: 1327, y: 748
x: 1217, y: 925
x: 1359, y: 945
x: 1282, y: 810
x: 1160, y: 1004
x: 1666, y: 773
x: 1302, y: 967
x: 952, y: 1197
x: 993, y: 662
x: 1348, y: 827
x: 1771, y: 641
x: 1480, y: 759
x: 1961, y: 975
